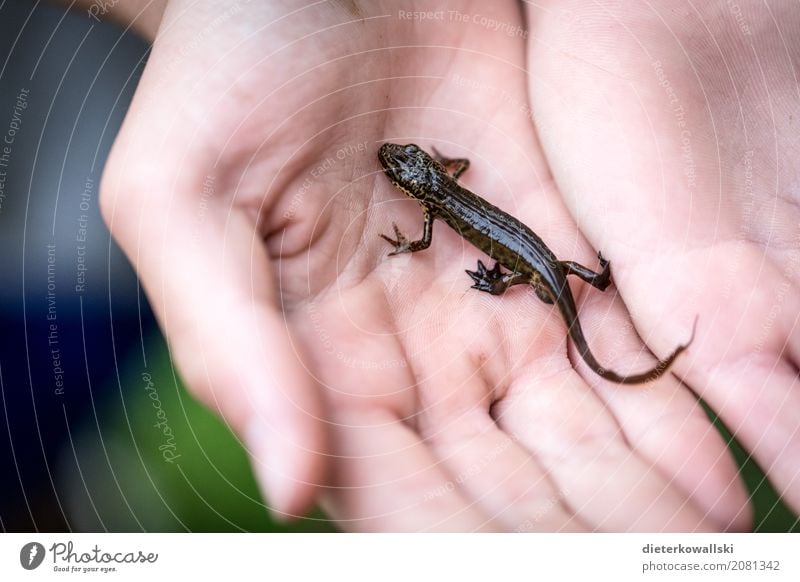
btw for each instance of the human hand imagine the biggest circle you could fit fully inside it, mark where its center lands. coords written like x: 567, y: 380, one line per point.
x: 670, y: 133
x: 244, y: 188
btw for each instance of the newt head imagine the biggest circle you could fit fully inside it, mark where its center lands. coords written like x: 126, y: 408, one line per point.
x: 410, y: 169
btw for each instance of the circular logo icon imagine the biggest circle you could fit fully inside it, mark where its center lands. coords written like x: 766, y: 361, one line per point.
x: 31, y: 555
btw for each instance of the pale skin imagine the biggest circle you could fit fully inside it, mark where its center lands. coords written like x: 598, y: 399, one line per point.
x: 379, y: 385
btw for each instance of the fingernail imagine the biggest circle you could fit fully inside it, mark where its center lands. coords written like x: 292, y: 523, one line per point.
x: 272, y: 466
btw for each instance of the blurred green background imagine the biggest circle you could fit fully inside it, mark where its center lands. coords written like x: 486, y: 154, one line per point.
x: 116, y: 478
x: 770, y: 513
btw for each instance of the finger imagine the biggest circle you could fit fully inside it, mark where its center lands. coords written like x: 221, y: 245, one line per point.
x: 662, y: 421
x: 488, y: 465
x: 759, y: 400
x: 545, y: 427
x: 386, y: 479
x: 354, y: 350
x: 571, y: 434
x: 209, y: 282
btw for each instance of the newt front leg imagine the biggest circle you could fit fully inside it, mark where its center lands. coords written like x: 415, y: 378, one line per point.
x: 403, y: 245
x: 460, y: 164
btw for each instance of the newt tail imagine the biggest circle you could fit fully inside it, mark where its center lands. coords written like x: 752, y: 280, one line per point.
x: 576, y: 333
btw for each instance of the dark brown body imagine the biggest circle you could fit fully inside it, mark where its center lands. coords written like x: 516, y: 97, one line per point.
x: 501, y: 236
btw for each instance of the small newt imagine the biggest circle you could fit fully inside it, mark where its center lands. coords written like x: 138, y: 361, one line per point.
x: 505, y: 239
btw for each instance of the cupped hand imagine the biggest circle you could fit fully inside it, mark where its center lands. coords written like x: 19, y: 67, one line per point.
x: 682, y: 165
x: 245, y: 188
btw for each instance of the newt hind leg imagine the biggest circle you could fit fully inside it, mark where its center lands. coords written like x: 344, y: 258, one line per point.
x: 493, y: 280
x: 599, y: 280
x: 460, y: 165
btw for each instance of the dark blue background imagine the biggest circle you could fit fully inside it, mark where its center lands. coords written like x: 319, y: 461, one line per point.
x: 80, y: 76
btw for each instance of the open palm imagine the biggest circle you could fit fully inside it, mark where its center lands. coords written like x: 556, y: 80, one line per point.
x: 245, y: 187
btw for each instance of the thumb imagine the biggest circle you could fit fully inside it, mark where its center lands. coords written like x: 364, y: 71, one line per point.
x: 209, y: 280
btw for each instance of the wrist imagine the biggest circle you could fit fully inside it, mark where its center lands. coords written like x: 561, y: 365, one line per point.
x: 143, y: 16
